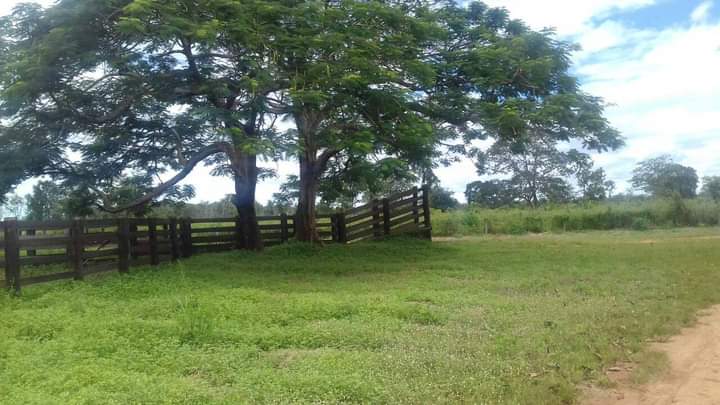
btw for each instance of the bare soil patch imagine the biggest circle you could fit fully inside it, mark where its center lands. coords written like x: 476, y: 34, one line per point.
x: 692, y: 379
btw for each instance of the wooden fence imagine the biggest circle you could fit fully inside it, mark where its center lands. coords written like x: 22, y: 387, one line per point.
x: 79, y: 248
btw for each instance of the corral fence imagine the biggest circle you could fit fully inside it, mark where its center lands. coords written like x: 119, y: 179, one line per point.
x: 77, y: 248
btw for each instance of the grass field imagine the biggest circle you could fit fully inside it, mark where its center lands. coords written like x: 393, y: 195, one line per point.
x: 521, y: 319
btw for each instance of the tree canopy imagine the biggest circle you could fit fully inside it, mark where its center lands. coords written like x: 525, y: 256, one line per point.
x: 539, y: 172
x: 491, y: 193
x: 92, y: 91
x: 662, y: 177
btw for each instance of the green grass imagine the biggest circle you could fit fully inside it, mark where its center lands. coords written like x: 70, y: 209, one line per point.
x: 636, y: 215
x: 522, y: 319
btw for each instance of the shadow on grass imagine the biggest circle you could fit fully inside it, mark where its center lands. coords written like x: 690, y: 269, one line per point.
x: 272, y: 269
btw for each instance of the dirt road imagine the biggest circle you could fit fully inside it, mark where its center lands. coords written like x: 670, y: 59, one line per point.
x: 694, y: 375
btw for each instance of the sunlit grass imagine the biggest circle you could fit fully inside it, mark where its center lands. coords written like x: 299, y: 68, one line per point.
x: 520, y: 319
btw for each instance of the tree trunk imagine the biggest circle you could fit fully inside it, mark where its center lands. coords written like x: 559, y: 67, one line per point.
x: 245, y: 168
x: 305, y: 221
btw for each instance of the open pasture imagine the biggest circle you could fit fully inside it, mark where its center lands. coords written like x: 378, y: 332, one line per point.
x: 521, y: 319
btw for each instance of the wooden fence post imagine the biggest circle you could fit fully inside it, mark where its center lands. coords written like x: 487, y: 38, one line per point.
x: 77, y: 233
x: 186, y: 237
x: 426, y: 211
x: 174, y: 245
x: 415, y: 211
x: 377, y: 232
x: 341, y: 227
x: 12, y: 255
x: 284, y: 231
x: 334, y: 228
x: 133, y: 240
x: 152, y: 238
x: 123, y: 229
x: 386, y: 216
x: 31, y: 252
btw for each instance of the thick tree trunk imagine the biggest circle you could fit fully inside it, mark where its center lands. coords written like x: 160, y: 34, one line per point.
x: 245, y: 168
x: 305, y: 221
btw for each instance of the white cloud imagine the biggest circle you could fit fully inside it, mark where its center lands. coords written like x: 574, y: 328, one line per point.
x: 663, y: 86
x: 701, y: 12
x: 567, y: 16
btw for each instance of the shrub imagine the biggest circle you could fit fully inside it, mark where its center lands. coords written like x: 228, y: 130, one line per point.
x: 534, y: 224
x: 471, y: 220
x: 640, y: 224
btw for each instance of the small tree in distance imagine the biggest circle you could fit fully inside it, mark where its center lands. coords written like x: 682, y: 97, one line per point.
x: 46, y: 202
x: 442, y: 199
x: 662, y: 177
x: 538, y: 171
x: 491, y: 194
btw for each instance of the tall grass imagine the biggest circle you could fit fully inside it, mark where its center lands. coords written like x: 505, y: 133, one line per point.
x: 638, y: 215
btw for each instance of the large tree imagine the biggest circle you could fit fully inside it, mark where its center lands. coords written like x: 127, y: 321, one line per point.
x: 662, y: 177
x: 93, y: 88
x: 343, y: 60
x: 402, y: 79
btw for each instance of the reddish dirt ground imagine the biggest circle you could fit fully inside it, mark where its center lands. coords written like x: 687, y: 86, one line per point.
x: 692, y: 379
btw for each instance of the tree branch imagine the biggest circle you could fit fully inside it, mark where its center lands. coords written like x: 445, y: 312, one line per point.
x: 325, y: 157
x: 114, y: 114
x: 220, y: 147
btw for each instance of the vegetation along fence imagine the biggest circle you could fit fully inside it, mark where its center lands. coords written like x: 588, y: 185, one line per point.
x: 74, y: 249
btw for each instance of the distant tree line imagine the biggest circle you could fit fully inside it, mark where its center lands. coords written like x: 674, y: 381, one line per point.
x: 538, y: 175
x: 541, y: 173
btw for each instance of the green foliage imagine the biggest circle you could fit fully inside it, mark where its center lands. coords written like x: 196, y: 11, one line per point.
x: 366, y: 83
x: 662, y: 177
x: 97, y: 89
x: 539, y: 173
x: 711, y: 187
x: 442, y: 199
x: 491, y: 193
x: 392, y: 322
x: 660, y: 213
x: 46, y: 202
x: 640, y: 224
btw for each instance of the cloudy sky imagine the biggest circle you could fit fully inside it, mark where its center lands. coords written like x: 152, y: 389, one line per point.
x: 656, y: 61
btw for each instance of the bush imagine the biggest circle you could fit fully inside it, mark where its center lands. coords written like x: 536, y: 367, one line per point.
x: 640, y: 224
x: 534, y: 224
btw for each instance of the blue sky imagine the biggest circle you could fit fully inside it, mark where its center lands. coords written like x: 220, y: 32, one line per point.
x: 656, y: 61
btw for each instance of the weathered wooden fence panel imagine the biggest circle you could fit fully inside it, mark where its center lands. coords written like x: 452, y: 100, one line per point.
x: 75, y: 249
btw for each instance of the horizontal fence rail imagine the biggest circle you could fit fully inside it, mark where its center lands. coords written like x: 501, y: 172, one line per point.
x: 79, y: 248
